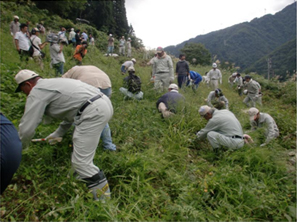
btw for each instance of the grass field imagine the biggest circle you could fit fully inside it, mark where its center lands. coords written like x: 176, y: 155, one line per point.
x: 157, y: 173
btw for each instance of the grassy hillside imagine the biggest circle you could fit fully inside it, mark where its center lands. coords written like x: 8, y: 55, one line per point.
x: 157, y: 173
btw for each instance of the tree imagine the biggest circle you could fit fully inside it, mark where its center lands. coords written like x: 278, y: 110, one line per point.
x: 196, y: 53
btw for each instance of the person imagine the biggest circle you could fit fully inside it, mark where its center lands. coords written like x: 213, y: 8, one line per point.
x: 122, y: 46
x: 37, y: 46
x: 231, y: 79
x: 99, y: 79
x: 110, y: 45
x: 62, y: 33
x: 214, y: 77
x: 182, y: 70
x: 239, y: 81
x: 84, y: 35
x: 258, y: 119
x: 77, y: 38
x: 14, y: 26
x: 57, y: 56
x: 71, y: 37
x: 22, y: 42
x: 129, y: 48
x: 163, y: 73
x: 205, y: 79
x: 252, y: 91
x: 72, y: 101
x: 132, y: 85
x: 41, y: 28
x: 92, y: 40
x: 222, y: 129
x: 194, y: 79
x: 127, y: 64
x: 217, y: 99
x: 171, y: 102
x: 80, y: 52
x: 11, y: 151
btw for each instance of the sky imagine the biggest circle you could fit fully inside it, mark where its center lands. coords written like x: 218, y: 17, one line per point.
x: 170, y: 22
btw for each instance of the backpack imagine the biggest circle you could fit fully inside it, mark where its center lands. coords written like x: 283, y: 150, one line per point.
x: 134, y: 84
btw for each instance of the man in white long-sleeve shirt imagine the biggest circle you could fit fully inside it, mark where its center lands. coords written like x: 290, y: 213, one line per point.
x: 222, y: 129
x: 258, y: 119
x: 73, y: 102
x: 217, y: 99
x: 214, y: 76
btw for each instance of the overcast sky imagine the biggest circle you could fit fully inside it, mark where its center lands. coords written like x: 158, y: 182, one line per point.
x: 170, y: 22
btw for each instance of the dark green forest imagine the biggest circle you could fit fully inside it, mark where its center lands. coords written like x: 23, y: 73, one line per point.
x: 249, y: 44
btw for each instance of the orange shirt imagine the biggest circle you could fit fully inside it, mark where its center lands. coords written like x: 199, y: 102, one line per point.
x: 79, y: 52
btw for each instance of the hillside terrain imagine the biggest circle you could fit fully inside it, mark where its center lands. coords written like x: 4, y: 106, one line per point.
x: 159, y: 171
x: 248, y: 44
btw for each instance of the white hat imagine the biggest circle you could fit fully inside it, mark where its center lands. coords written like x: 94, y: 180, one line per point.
x: 214, y: 65
x: 133, y: 60
x: 203, y: 110
x: 129, y: 38
x: 252, y: 113
x: 131, y: 68
x: 16, y: 17
x: 110, y: 34
x: 23, y: 76
x: 72, y: 29
x: 173, y: 86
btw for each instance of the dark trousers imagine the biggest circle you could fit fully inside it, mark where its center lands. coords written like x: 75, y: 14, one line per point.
x: 181, y: 80
x: 11, y: 151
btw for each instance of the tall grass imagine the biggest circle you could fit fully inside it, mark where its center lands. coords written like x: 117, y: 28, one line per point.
x: 157, y: 173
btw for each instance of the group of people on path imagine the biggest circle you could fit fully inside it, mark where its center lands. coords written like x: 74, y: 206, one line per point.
x: 123, y: 44
x: 81, y: 98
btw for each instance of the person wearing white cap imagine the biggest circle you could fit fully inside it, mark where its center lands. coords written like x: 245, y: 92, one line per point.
x: 132, y: 85
x: 110, y: 46
x: 122, y: 46
x: 231, y: 79
x: 222, y: 130
x: 73, y: 102
x: 253, y: 90
x: 171, y: 102
x: 99, y: 79
x: 258, y: 119
x: 14, y: 26
x: 214, y: 77
x: 71, y: 37
x: 163, y: 72
x: 37, y: 46
x: 129, y: 48
x: 125, y: 66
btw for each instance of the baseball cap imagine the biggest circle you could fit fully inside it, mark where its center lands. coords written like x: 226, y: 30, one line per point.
x: 34, y: 30
x: 110, y: 34
x: 16, y: 17
x: 252, y: 112
x: 203, y: 110
x: 23, y: 76
x: 159, y: 49
x: 133, y: 60
x: 173, y: 86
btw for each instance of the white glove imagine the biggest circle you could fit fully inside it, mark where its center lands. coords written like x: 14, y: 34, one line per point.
x: 264, y: 144
x: 53, y: 138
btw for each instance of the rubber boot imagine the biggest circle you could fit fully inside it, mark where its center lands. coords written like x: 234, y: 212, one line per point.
x: 99, y: 187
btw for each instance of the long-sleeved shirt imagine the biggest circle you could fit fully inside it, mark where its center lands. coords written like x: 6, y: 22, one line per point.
x: 127, y: 64
x: 223, y: 122
x: 239, y: 81
x: 89, y: 74
x: 58, y: 98
x: 212, y: 98
x: 163, y: 65
x: 252, y: 87
x: 214, y: 74
x: 122, y: 42
x: 265, y: 120
x: 71, y: 35
x: 128, y: 45
x: 14, y: 27
x: 57, y: 56
x: 182, y: 68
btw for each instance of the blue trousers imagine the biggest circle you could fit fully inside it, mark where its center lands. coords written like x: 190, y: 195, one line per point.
x: 11, y: 151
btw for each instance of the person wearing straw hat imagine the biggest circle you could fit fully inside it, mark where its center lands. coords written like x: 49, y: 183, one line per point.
x: 258, y: 119
x: 73, y: 102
